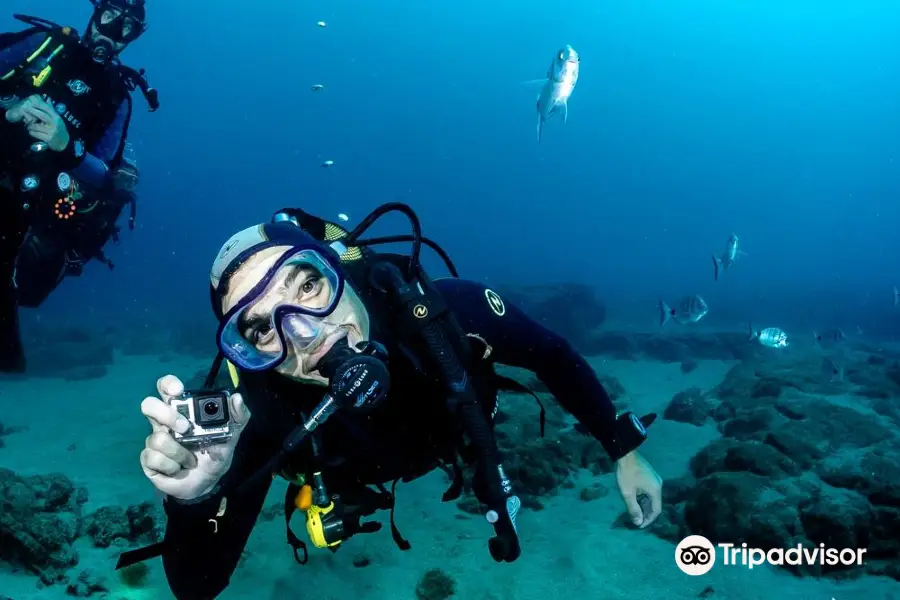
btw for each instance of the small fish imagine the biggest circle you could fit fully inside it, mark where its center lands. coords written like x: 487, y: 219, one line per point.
x: 328, y: 163
x: 690, y: 310
x: 771, y: 337
x: 832, y: 371
x: 561, y: 79
x: 896, y: 296
x: 322, y: 24
x: 728, y: 257
x: 830, y: 337
x: 318, y: 87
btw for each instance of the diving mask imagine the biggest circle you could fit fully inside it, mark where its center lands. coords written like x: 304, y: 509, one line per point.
x: 289, y: 305
x: 122, y: 21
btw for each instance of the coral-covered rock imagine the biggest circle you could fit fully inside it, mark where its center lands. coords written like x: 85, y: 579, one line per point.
x: 435, y: 585
x: 38, y: 523
x: 138, y: 523
x: 689, y: 406
x: 87, y: 584
x: 729, y: 455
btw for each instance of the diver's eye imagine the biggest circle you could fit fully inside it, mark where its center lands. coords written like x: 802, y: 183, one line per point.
x: 311, y: 286
x: 262, y: 334
x: 109, y: 16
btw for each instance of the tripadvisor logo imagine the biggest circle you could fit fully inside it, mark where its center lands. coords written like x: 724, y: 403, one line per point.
x: 696, y: 555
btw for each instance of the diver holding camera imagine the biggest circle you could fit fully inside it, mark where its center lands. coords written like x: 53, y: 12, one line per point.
x: 360, y: 372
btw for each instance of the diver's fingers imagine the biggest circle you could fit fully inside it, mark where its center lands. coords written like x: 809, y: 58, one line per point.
x: 165, y: 444
x: 240, y: 414
x: 41, y: 109
x: 169, y: 387
x: 633, y: 507
x: 40, y: 131
x: 163, y: 418
x: 153, y: 464
x: 655, y: 496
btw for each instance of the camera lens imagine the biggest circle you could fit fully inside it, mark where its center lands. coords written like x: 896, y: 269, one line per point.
x: 211, y: 407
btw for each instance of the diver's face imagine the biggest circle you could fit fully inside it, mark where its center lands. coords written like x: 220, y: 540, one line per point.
x: 298, y: 285
x: 109, y: 20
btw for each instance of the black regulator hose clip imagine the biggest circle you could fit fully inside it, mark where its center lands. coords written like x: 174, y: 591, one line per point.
x: 422, y: 311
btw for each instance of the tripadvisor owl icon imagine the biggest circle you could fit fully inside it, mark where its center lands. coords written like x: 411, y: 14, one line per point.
x: 695, y: 555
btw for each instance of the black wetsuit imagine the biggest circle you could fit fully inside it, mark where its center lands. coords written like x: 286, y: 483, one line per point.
x: 406, y: 437
x: 95, y: 105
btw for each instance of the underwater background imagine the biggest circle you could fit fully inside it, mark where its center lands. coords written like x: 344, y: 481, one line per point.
x: 691, y: 120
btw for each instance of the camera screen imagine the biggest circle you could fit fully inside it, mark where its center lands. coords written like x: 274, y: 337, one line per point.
x: 184, y: 411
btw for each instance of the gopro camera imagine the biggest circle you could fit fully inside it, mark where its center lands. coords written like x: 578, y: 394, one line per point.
x: 208, y: 413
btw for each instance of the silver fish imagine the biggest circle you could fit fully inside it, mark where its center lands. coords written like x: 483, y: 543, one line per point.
x: 831, y: 371
x: 771, y: 337
x: 690, y: 310
x: 561, y: 79
x: 728, y: 257
x: 829, y: 338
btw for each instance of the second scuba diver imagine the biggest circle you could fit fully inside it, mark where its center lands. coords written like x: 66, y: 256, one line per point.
x: 359, y: 371
x: 65, y: 110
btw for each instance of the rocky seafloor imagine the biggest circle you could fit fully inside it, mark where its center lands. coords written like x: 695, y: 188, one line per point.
x: 804, y: 457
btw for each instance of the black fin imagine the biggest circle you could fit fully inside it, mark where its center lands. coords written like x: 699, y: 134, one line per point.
x: 12, y: 354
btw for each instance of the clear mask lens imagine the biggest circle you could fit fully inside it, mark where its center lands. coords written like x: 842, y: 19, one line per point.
x: 289, y: 307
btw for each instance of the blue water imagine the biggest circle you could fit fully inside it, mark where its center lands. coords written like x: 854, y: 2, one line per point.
x: 691, y: 120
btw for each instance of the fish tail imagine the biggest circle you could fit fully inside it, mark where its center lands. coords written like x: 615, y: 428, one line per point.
x: 540, y: 129
x: 753, y: 334
x: 665, y: 313
x: 715, y: 267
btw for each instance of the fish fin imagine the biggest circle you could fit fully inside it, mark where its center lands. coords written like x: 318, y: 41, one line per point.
x: 740, y: 253
x: 531, y: 82
x: 565, y: 109
x: 715, y: 267
x: 840, y: 375
x: 540, y: 129
x: 753, y: 335
x: 665, y: 313
x: 12, y: 353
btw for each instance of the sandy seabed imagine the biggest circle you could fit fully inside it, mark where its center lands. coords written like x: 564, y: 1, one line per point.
x: 92, y: 431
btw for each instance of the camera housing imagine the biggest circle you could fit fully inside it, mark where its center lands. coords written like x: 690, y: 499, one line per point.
x: 209, y: 415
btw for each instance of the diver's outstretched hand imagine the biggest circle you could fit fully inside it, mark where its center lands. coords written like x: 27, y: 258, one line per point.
x: 637, y: 478
x: 172, y: 468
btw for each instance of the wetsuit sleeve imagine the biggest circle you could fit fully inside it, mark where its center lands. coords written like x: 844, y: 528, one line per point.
x: 94, y: 169
x: 519, y: 341
x: 201, y: 549
x: 15, y: 55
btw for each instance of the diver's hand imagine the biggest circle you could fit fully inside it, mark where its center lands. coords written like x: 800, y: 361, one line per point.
x: 174, y: 469
x: 42, y: 122
x: 636, y: 477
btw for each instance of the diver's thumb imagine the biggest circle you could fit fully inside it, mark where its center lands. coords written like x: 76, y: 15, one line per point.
x: 240, y: 414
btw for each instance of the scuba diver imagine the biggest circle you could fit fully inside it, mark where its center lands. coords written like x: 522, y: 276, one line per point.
x: 66, y: 103
x: 85, y: 220
x: 359, y: 371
